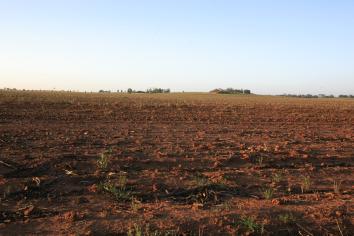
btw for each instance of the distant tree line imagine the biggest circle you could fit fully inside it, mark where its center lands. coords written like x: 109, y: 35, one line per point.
x: 219, y: 91
x: 158, y: 90
x: 130, y: 90
x: 315, y: 96
x: 11, y: 89
x: 104, y: 91
x: 346, y: 96
x: 40, y: 90
x: 231, y: 91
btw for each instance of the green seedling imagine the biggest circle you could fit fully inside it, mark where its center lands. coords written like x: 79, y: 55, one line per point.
x: 286, y: 218
x: 201, y: 180
x: 305, y: 184
x: 268, y: 193
x: 120, y: 193
x: 337, y: 186
x: 277, y: 177
x: 103, y: 160
x: 250, y: 224
x: 135, y: 204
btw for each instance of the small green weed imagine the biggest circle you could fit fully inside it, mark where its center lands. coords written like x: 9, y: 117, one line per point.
x: 103, y: 160
x: 268, y: 193
x: 277, y: 177
x: 250, y: 224
x: 305, y: 184
x: 122, y: 181
x: 144, y: 230
x: 135, y: 204
x: 120, y: 193
x: 135, y: 231
x: 286, y: 218
x: 337, y: 186
x: 201, y: 180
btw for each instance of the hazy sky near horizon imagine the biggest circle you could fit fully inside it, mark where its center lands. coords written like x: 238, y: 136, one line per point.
x: 268, y: 46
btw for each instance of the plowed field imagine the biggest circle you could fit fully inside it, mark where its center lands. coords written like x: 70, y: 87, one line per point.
x: 175, y: 164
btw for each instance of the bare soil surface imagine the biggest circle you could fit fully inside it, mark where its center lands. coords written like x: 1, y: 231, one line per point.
x: 175, y: 164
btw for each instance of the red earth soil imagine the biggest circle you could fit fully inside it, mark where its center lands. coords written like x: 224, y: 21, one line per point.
x: 175, y: 164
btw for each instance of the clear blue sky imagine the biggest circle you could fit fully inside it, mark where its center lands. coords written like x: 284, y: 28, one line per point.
x: 270, y: 47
